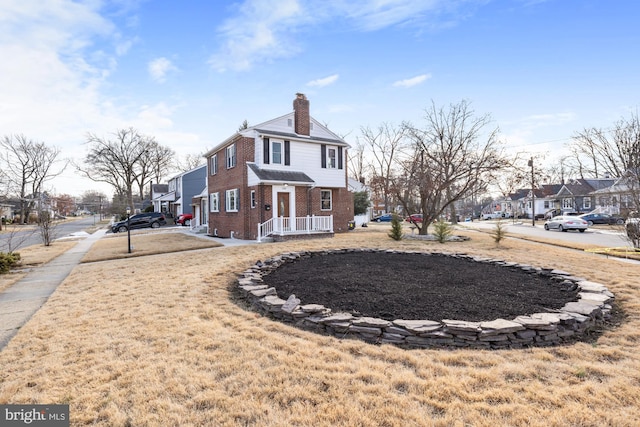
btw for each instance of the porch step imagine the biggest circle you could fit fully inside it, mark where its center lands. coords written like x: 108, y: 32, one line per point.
x: 302, y: 236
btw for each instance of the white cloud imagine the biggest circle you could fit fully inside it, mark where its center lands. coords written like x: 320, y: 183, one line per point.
x: 264, y: 30
x: 159, y: 67
x: 412, y: 81
x: 260, y: 32
x: 56, y: 58
x: 326, y: 81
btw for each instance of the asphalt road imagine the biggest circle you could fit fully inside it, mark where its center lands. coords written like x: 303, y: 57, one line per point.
x: 598, y: 235
x: 20, y: 238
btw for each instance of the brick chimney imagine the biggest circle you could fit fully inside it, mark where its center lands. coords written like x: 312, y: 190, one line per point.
x: 301, y: 115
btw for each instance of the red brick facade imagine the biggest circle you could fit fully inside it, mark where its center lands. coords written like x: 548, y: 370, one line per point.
x: 301, y: 116
x: 223, y: 223
x: 252, y: 211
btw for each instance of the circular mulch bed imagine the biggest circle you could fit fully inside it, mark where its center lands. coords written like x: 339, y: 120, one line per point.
x: 414, y: 286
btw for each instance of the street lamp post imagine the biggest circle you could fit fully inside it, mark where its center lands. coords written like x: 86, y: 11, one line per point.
x: 533, y: 196
x: 129, y: 228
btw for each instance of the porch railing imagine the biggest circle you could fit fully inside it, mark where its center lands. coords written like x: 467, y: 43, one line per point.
x: 299, y: 225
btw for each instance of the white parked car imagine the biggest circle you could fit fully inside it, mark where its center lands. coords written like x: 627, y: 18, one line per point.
x: 491, y: 215
x: 566, y: 223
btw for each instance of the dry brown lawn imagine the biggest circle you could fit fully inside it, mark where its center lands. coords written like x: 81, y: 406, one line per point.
x: 156, y: 340
x: 144, y: 243
x: 33, y: 256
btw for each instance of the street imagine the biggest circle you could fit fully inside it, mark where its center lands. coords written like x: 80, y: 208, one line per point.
x: 604, y: 237
x: 31, y: 234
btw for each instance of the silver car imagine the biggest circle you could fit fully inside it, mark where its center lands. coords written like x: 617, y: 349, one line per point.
x: 566, y: 223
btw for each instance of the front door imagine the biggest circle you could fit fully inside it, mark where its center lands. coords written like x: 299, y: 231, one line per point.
x: 283, y: 210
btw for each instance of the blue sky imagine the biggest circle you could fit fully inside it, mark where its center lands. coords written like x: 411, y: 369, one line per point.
x: 189, y: 72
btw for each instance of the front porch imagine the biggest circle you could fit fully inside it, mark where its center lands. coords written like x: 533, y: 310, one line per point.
x: 284, y: 228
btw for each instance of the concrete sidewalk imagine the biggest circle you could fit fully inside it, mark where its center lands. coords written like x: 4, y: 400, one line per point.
x: 22, y: 300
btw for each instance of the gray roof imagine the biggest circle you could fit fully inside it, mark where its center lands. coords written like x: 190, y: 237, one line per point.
x: 280, y: 175
x: 298, y: 137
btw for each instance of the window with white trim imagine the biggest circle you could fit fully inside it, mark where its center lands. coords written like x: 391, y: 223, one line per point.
x: 214, y: 202
x: 325, y: 200
x: 276, y: 152
x: 332, y: 154
x: 213, y: 164
x: 232, y: 200
x: 253, y: 199
x: 567, y: 203
x: 231, y: 156
x: 586, y: 202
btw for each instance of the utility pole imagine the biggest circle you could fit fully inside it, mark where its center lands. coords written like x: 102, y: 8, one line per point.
x: 533, y: 195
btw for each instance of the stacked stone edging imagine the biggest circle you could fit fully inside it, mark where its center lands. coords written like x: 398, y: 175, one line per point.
x: 570, y: 323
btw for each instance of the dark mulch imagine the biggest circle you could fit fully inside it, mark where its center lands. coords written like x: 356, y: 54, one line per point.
x: 415, y: 286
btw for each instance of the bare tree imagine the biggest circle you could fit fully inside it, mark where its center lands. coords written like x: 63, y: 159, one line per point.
x: 450, y: 158
x: 27, y: 166
x: 356, y: 162
x: 155, y: 163
x: 94, y: 200
x: 613, y: 151
x: 127, y: 159
x: 190, y: 161
x: 386, y: 144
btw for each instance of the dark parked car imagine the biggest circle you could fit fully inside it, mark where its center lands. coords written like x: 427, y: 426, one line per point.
x: 184, y: 219
x: 141, y: 220
x: 597, y: 218
x: 383, y: 218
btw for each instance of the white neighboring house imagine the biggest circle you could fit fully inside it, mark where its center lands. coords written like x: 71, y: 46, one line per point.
x: 622, y: 197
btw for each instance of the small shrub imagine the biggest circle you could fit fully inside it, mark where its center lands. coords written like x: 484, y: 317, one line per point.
x: 396, y: 228
x: 499, y: 232
x: 8, y: 260
x: 442, y: 230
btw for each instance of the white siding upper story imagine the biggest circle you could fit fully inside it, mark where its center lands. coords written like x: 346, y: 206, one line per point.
x: 305, y: 152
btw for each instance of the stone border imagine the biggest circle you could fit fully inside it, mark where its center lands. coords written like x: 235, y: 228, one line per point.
x: 571, y: 322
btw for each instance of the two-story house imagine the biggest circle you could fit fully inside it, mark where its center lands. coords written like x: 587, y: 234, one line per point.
x: 283, y: 178
x: 180, y: 190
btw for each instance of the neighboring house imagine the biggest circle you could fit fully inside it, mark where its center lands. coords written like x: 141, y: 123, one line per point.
x: 622, y: 197
x: 576, y: 196
x: 6, y: 212
x: 284, y: 178
x: 158, y: 191
x: 181, y: 189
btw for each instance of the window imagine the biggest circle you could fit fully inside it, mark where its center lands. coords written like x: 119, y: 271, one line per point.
x: 232, y: 202
x: 289, y: 122
x: 213, y: 164
x: 276, y: 148
x: 214, y: 202
x: 567, y: 203
x: 253, y: 199
x: 325, y: 200
x: 331, y: 158
x: 587, y: 202
x: 231, y: 156
x: 546, y: 204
